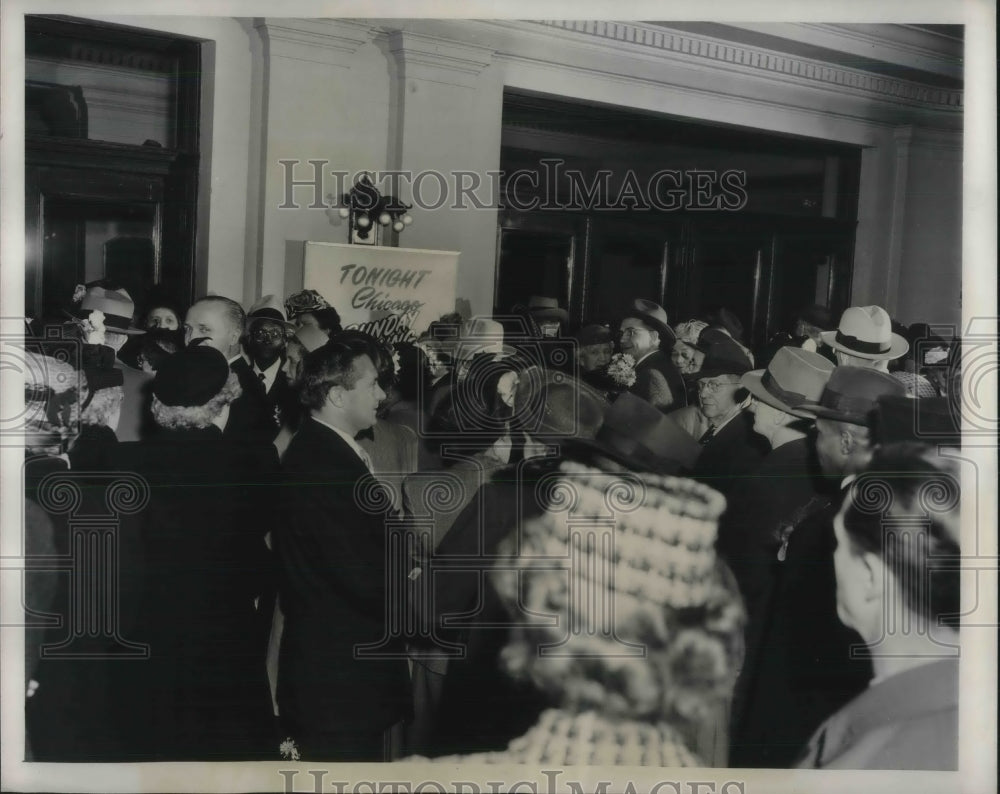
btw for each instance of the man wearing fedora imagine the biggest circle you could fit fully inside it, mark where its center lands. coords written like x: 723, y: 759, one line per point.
x: 864, y: 338
x: 643, y: 333
x: 730, y: 448
x: 803, y: 666
x: 117, y: 308
x: 764, y: 505
x: 548, y: 315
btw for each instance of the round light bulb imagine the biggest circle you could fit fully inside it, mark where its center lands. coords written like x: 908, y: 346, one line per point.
x: 397, y: 226
x: 385, y: 219
x: 407, y: 219
x: 343, y: 212
x: 364, y: 221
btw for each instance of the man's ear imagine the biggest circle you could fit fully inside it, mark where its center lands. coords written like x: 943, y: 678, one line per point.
x: 847, y: 442
x: 654, y: 337
x: 336, y: 396
x: 872, y: 579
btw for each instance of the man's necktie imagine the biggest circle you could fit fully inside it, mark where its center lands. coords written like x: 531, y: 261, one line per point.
x: 707, y: 436
x: 262, y: 376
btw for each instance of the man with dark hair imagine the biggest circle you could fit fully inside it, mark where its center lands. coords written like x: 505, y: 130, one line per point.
x: 218, y: 322
x: 336, y: 703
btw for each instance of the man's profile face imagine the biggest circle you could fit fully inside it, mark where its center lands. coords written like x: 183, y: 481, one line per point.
x: 637, y: 339
x: 361, y: 402
x: 207, y: 320
x: 829, y: 450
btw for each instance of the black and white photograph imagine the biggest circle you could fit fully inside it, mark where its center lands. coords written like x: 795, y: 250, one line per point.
x: 483, y: 397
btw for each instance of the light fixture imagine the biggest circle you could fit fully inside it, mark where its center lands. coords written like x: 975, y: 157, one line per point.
x: 368, y: 211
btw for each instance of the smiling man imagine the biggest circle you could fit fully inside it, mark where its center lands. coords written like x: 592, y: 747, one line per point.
x: 642, y: 333
x: 333, y: 567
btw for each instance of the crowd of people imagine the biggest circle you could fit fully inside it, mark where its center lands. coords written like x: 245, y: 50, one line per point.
x: 507, y: 539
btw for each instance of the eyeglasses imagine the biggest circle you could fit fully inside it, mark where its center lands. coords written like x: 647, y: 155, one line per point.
x: 267, y: 334
x: 632, y: 332
x: 712, y: 386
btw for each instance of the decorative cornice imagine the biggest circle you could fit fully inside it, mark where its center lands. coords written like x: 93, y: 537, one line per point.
x: 424, y: 57
x: 330, y: 42
x: 765, y: 61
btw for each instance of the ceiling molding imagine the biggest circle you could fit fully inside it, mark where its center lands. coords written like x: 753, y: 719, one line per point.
x: 330, y: 42
x: 763, y: 61
x: 438, y: 59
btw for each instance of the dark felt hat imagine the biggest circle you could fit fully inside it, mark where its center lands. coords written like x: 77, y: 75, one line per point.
x: 852, y: 393
x: 930, y: 420
x: 191, y: 377
x: 641, y: 438
x: 593, y: 334
x: 544, y: 308
x: 653, y: 315
x: 723, y: 356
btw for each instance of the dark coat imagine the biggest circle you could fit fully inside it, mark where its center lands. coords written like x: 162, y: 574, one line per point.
x: 203, y: 694
x: 250, y: 415
x: 905, y: 721
x: 475, y: 685
x: 803, y: 670
x: 135, y: 421
x: 734, y: 452
x: 334, y: 587
x: 658, y: 382
x: 762, y: 510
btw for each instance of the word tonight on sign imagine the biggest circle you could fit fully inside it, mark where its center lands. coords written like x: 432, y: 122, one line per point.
x: 391, y: 277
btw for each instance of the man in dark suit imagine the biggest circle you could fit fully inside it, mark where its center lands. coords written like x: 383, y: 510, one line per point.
x: 643, y: 332
x: 219, y: 322
x: 337, y: 700
x: 265, y: 344
x: 805, y: 670
x: 730, y: 448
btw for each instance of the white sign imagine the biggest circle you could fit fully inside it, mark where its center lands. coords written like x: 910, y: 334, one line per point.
x: 391, y: 293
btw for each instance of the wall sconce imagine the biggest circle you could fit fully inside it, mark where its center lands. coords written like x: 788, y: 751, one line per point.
x: 368, y: 212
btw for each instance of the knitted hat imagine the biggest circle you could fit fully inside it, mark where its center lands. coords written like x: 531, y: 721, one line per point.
x: 664, y: 538
x: 191, y: 377
x: 689, y: 331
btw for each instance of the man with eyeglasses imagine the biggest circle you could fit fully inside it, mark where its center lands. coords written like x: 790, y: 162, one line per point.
x: 266, y: 345
x: 641, y: 335
x: 731, y: 449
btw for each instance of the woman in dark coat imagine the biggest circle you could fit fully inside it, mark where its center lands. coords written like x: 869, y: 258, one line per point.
x: 203, y: 693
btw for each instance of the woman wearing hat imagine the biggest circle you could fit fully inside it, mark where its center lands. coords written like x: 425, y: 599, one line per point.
x: 203, y: 694
x: 632, y: 685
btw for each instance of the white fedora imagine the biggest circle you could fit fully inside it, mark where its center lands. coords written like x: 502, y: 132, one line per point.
x: 866, y: 332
